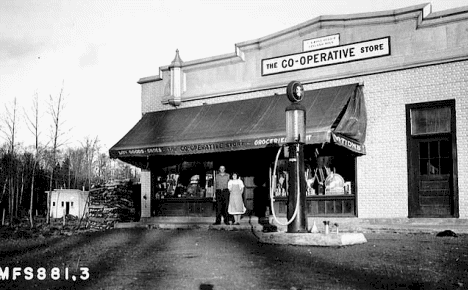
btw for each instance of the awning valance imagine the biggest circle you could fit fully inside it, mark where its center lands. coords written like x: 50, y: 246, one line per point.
x: 335, y: 114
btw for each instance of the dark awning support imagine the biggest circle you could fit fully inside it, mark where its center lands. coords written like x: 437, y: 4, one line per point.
x: 335, y: 114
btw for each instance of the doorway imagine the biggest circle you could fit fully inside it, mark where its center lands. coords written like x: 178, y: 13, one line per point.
x: 432, y: 160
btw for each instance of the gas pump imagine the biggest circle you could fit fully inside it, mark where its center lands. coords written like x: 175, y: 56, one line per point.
x: 294, y: 151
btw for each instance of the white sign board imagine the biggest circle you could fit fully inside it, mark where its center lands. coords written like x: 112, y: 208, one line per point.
x: 328, y: 56
x: 321, y: 42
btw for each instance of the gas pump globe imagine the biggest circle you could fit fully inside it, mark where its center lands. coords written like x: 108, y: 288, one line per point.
x: 295, y: 139
x: 295, y: 114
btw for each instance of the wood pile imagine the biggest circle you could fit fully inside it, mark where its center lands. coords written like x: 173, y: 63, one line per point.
x: 109, y: 205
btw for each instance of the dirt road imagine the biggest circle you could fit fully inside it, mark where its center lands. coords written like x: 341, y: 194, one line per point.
x: 215, y: 259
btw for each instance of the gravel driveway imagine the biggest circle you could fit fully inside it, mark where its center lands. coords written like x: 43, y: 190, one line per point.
x: 218, y: 259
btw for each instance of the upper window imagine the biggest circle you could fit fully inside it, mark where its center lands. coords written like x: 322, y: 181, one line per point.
x: 430, y: 120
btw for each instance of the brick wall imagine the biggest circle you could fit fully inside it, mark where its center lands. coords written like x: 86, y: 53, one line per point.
x: 382, y: 173
x: 151, y: 98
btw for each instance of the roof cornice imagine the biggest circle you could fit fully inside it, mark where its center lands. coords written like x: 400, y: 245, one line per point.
x: 421, y: 13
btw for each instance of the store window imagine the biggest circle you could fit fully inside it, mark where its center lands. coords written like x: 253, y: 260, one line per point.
x: 330, y: 179
x: 185, y: 188
x: 187, y: 179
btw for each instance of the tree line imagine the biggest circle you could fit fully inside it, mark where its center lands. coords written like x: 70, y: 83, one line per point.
x: 29, y: 173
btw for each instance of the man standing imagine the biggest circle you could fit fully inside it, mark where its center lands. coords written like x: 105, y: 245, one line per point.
x: 222, y: 196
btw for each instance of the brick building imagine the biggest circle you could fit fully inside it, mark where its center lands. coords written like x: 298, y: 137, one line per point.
x: 404, y: 73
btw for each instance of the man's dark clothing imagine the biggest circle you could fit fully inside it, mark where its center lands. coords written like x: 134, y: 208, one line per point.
x: 222, y: 203
x: 222, y: 198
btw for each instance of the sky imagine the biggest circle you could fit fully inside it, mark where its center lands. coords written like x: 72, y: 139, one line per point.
x: 97, y: 50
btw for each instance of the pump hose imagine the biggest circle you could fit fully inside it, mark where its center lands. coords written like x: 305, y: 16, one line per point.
x: 272, y: 198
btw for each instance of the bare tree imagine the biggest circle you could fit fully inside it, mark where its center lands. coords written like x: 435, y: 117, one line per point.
x: 76, y: 162
x: 103, y: 173
x: 90, y: 146
x: 33, y: 126
x: 9, y: 130
x: 56, y: 107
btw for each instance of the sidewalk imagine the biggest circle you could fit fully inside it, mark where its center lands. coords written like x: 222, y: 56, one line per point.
x: 397, y: 225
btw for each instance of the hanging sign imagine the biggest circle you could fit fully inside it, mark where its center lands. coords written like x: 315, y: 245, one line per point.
x: 327, y: 56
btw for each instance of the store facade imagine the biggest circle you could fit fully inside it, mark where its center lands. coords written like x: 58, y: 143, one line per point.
x: 386, y: 104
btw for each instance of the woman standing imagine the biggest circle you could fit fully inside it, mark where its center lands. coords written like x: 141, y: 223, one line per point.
x: 236, y: 204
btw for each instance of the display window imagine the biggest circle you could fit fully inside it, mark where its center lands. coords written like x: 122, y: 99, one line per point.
x: 188, y: 187
x: 328, y: 171
x: 330, y: 174
x: 184, y: 180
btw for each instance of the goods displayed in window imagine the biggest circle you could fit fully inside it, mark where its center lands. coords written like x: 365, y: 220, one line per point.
x: 172, y: 186
x: 321, y: 175
x: 189, y: 189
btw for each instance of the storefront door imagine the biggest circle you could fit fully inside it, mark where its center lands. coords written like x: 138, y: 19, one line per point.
x: 432, y: 175
x: 432, y: 161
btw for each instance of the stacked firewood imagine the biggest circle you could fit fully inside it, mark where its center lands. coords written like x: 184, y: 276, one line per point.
x: 109, y: 205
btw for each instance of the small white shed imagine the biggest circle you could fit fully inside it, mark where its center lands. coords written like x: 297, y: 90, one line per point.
x: 69, y: 202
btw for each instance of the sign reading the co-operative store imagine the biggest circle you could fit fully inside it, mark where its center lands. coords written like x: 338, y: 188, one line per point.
x: 328, y: 56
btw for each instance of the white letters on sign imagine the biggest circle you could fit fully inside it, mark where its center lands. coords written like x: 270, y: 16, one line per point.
x: 328, y: 56
x: 321, y: 42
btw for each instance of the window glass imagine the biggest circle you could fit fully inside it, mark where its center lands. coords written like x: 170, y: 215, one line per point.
x: 423, y: 166
x: 434, y: 149
x: 423, y: 150
x: 445, y: 165
x: 433, y: 166
x: 434, y: 158
x: 445, y: 148
x: 430, y: 120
